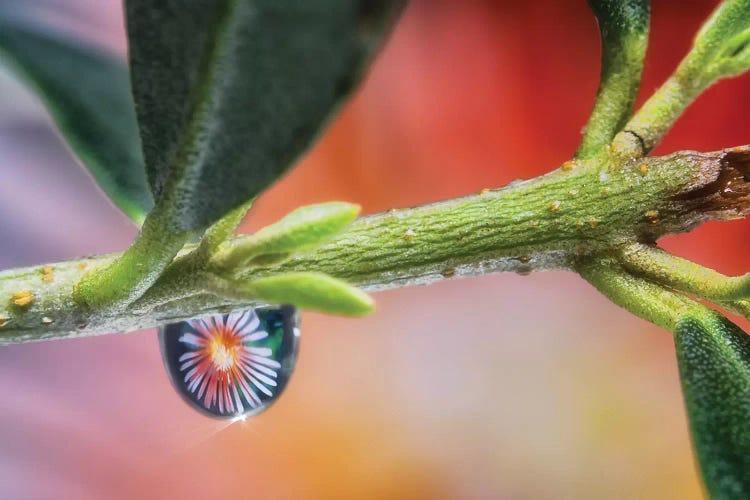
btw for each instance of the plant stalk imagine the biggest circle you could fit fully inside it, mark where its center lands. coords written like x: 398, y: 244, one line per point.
x: 550, y: 222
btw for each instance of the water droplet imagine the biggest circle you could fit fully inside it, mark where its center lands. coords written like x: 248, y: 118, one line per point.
x: 232, y: 365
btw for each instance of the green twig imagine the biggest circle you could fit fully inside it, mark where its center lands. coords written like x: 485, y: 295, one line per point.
x: 116, y: 284
x: 721, y: 49
x: 683, y: 275
x: 624, y: 32
x: 645, y: 299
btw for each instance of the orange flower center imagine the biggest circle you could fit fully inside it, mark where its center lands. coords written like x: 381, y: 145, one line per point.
x: 223, y: 349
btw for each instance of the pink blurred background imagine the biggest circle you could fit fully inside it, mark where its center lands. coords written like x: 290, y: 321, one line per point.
x: 495, y: 387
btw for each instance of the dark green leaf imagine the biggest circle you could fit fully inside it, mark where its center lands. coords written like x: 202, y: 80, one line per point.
x: 714, y: 359
x: 87, y: 92
x: 230, y: 92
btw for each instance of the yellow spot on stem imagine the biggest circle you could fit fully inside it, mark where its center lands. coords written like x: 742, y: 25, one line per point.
x: 572, y: 192
x: 593, y: 223
x: 22, y: 298
x: 82, y: 265
x: 555, y: 206
x: 3, y: 320
x: 409, y: 234
x: 484, y: 191
x: 448, y: 273
x: 47, y: 274
x: 569, y: 165
x: 653, y: 215
x: 643, y: 169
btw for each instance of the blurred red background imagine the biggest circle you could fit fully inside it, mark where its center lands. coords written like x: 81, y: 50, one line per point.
x: 500, y: 386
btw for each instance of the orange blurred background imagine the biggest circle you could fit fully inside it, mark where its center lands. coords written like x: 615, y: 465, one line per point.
x: 495, y: 387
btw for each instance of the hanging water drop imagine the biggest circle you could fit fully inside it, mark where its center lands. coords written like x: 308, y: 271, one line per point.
x: 232, y: 365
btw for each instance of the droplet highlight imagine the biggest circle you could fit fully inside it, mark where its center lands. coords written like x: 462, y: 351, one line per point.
x: 232, y: 365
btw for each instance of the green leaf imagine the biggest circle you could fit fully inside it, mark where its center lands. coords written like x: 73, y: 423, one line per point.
x: 87, y: 93
x: 303, y: 229
x: 624, y: 32
x: 313, y: 291
x: 230, y: 92
x: 714, y: 360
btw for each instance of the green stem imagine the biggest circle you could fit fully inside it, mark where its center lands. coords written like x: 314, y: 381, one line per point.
x: 681, y: 274
x: 550, y: 222
x: 715, y: 54
x: 118, y: 283
x: 645, y: 299
x: 623, y: 25
x: 661, y: 111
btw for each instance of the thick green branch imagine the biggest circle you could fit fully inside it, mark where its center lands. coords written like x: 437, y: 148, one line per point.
x: 546, y: 223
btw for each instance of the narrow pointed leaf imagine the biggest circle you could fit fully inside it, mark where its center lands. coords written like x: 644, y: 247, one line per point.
x: 302, y: 229
x: 313, y: 291
x: 230, y: 92
x: 305, y: 228
x: 87, y: 93
x: 714, y: 360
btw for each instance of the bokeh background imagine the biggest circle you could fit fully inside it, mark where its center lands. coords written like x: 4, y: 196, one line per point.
x: 496, y: 387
